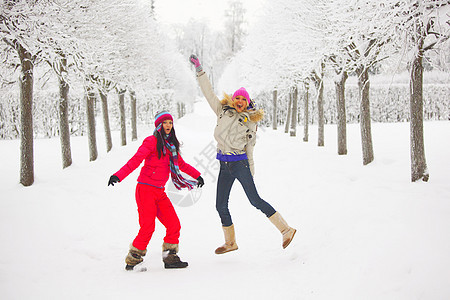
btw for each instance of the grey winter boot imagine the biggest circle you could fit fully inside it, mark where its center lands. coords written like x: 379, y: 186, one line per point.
x: 170, y: 257
x: 230, y: 240
x: 287, y: 231
x: 134, y: 257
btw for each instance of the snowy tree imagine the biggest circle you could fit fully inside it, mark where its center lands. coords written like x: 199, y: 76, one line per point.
x: 294, y: 97
x: 306, y: 113
x: 425, y: 25
x: 341, y: 78
x: 318, y: 78
x: 90, y: 98
x: 274, y: 113
x: 374, y: 31
x: 33, y: 30
x: 123, y: 128
x: 288, y: 115
x: 209, y: 45
x: 64, y: 130
x: 234, y: 25
x: 362, y: 35
x: 106, y: 87
x: 133, y: 115
x: 377, y: 28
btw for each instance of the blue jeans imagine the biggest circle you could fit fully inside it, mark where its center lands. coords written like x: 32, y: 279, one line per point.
x: 240, y: 170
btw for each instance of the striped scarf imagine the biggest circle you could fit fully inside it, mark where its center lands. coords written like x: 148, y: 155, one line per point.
x: 178, y: 180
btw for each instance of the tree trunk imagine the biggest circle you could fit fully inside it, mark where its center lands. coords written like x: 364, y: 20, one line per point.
x: 321, y: 120
x: 133, y: 116
x: 179, y: 110
x: 341, y: 115
x: 274, y: 117
x: 64, y: 130
x: 366, y: 132
x: 90, y: 114
x: 26, y: 117
x: 288, y: 119
x: 123, y: 129
x: 106, y: 126
x: 294, y: 111
x: 306, y: 114
x: 418, y: 163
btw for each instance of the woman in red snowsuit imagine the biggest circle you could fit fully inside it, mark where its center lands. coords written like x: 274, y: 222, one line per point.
x: 161, y: 154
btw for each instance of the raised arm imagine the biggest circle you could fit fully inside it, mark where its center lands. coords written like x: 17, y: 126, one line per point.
x: 205, y: 86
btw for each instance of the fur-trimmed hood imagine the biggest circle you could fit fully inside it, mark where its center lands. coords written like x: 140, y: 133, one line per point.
x: 256, y: 115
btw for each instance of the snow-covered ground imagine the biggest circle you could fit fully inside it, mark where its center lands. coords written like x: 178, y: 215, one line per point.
x: 364, y: 232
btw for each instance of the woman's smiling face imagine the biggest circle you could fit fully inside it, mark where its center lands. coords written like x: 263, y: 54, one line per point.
x: 240, y: 103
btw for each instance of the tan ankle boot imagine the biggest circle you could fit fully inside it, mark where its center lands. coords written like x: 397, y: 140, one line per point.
x: 230, y: 240
x: 287, y: 231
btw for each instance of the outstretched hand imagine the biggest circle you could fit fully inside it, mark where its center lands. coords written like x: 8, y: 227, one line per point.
x: 196, y: 62
x: 113, y: 179
x: 200, y: 181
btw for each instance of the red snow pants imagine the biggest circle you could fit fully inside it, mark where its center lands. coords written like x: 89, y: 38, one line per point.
x: 152, y: 203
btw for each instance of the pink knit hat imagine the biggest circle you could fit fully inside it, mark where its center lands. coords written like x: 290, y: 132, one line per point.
x: 242, y: 92
x: 161, y: 117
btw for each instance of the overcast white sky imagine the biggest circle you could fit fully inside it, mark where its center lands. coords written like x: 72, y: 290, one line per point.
x: 181, y: 11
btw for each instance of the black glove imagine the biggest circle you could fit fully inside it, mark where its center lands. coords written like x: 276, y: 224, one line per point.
x: 113, y: 179
x: 200, y: 182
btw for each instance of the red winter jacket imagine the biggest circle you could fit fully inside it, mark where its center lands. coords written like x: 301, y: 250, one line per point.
x: 155, y: 171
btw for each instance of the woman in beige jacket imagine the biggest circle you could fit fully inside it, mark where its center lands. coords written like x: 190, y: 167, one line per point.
x: 235, y: 134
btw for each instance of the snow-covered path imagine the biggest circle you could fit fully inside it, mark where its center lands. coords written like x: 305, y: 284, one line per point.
x: 364, y: 232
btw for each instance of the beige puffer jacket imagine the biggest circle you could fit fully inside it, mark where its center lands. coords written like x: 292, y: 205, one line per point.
x: 235, y: 132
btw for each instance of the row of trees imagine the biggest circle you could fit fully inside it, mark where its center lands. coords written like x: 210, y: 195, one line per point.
x: 104, y: 46
x: 46, y: 110
x: 299, y: 42
x: 387, y: 104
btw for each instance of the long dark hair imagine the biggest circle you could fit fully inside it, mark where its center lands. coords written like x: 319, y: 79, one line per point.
x: 160, y: 143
